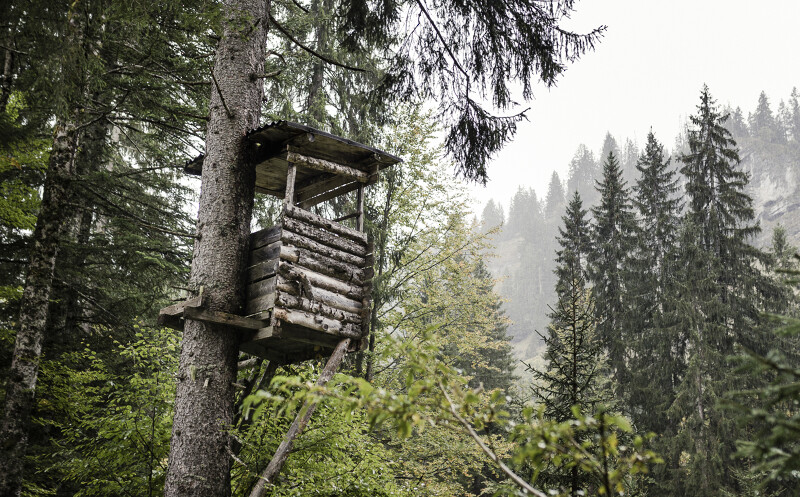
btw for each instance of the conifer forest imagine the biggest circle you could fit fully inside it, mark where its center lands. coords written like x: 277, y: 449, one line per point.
x: 239, y: 256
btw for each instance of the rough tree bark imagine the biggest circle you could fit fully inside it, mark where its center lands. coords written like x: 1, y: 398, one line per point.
x: 199, y: 462
x: 33, y: 310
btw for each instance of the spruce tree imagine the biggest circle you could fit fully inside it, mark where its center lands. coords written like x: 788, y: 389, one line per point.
x: 763, y: 124
x: 609, y: 265
x: 574, y: 242
x: 556, y: 201
x: 573, y: 351
x: 610, y: 146
x: 652, y: 350
x: 714, y: 305
x: 794, y: 120
x: 583, y: 172
x: 492, y: 363
x: 492, y: 216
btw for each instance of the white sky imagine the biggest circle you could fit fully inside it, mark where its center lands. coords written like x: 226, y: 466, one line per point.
x: 647, y: 71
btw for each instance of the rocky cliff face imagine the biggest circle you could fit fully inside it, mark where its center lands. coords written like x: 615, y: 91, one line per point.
x: 774, y: 186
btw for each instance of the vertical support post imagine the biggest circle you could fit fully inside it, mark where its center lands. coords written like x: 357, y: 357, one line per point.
x: 291, y: 173
x: 360, y: 211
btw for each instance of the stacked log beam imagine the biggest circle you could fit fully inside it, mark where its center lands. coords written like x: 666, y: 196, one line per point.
x: 312, y: 274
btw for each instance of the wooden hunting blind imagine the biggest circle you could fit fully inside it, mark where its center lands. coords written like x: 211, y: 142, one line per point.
x: 308, y: 278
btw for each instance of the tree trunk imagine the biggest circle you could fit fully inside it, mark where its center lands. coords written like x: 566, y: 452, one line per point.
x: 33, y: 310
x: 199, y: 462
x: 315, y: 103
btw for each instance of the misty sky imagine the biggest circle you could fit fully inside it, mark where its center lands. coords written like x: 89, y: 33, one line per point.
x: 647, y: 72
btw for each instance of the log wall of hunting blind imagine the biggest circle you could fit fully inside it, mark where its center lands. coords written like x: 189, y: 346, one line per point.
x: 310, y: 279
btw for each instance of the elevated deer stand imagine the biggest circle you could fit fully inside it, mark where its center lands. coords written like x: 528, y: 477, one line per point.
x: 308, y: 283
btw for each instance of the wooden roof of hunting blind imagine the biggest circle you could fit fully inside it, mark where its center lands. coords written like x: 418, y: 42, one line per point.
x: 327, y: 165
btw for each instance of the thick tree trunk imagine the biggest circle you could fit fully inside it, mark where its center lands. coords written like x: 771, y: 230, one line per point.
x: 315, y: 103
x: 33, y: 311
x: 199, y: 461
x: 67, y: 319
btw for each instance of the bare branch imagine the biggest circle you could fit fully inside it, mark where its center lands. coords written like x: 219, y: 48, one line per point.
x: 486, y: 450
x: 444, y: 43
x: 309, y: 50
x: 227, y: 110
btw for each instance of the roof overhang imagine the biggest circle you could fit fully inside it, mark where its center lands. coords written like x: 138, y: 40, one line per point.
x: 327, y: 165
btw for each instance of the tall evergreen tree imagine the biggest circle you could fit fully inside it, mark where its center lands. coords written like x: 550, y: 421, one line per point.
x: 737, y: 125
x: 491, y: 364
x: 492, y: 216
x: 763, y: 124
x: 525, y: 215
x: 629, y: 160
x: 583, y: 173
x: 715, y: 304
x: 653, y: 352
x: 573, y: 352
x: 82, y: 77
x: 609, y: 265
x: 794, y: 122
x: 556, y: 200
x: 610, y: 146
x: 575, y: 244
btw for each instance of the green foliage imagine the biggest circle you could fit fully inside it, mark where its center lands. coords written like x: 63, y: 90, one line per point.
x: 773, y: 409
x: 599, y: 446
x: 773, y: 444
x: 433, y: 396
x: 23, y: 159
x: 113, y: 423
x: 335, y: 456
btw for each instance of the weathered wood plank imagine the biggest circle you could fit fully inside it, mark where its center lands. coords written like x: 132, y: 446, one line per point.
x: 265, y: 253
x: 316, y: 307
x: 260, y: 304
x: 291, y: 174
x: 262, y: 270
x: 300, y: 241
x: 326, y: 297
x: 305, y: 201
x: 354, y: 292
x: 321, y: 222
x: 266, y: 332
x: 326, y: 166
x: 172, y: 316
x: 323, y: 264
x: 222, y: 318
x: 265, y: 237
x: 325, y: 237
x: 319, y: 323
x: 261, y: 288
x: 259, y: 350
x: 267, y: 191
x: 360, y: 208
x: 177, y: 309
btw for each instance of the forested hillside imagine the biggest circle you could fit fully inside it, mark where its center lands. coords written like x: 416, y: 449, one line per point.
x: 769, y: 154
x: 378, y: 358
